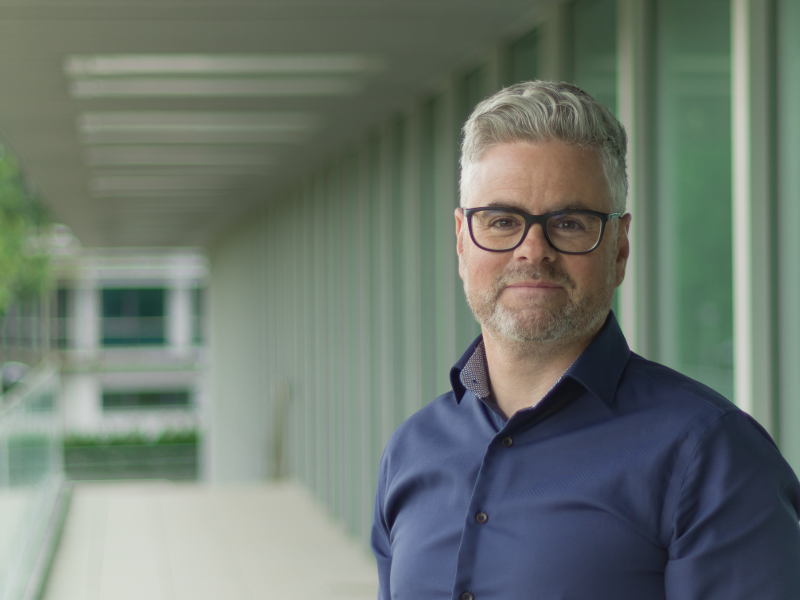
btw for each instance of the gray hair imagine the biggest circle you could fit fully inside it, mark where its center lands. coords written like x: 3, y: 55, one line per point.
x: 542, y: 111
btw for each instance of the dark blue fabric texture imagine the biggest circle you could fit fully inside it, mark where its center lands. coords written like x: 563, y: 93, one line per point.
x: 626, y: 481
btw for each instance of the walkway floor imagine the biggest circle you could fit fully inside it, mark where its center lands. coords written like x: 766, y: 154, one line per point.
x: 165, y: 541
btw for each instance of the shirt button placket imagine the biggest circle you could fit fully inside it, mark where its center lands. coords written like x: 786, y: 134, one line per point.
x: 482, y: 517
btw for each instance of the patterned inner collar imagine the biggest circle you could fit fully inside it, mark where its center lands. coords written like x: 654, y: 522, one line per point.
x: 475, y: 374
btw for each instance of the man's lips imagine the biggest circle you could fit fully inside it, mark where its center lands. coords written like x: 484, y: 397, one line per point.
x: 534, y: 284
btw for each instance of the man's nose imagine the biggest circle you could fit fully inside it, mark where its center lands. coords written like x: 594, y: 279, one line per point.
x: 535, y: 247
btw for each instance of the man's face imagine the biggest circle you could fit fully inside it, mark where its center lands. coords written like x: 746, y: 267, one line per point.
x: 534, y: 293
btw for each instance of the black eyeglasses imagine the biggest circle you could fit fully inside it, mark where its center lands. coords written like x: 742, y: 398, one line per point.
x: 568, y: 231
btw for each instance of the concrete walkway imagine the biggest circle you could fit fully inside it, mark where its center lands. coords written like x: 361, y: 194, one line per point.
x: 170, y: 541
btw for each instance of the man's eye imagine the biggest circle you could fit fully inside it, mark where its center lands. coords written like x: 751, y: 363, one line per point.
x: 569, y: 225
x: 503, y: 223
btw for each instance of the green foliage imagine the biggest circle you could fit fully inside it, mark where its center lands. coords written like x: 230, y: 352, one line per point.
x: 131, y: 439
x: 24, y: 271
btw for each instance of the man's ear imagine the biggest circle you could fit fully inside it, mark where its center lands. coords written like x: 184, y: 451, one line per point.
x: 460, y: 223
x: 623, y: 246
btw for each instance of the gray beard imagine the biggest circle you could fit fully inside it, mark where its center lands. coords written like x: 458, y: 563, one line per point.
x: 533, y: 323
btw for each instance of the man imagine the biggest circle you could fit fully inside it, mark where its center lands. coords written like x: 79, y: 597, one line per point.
x: 561, y: 465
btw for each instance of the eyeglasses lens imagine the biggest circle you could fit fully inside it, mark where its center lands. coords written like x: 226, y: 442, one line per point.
x: 569, y: 231
x: 574, y: 231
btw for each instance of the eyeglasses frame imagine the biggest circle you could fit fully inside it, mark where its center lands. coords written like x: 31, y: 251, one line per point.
x: 541, y: 220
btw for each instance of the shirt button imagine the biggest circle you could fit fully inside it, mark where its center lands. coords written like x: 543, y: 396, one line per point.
x: 507, y: 441
x: 467, y: 596
x: 481, y: 517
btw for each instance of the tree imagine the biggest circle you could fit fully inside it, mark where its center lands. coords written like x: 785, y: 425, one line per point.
x: 24, y: 267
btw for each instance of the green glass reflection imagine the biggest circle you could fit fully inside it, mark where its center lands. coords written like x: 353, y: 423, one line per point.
x: 133, y: 317
x: 594, y: 55
x: 523, y: 58
x: 30, y: 476
x: 595, y: 49
x: 475, y: 87
x: 788, y: 180
x: 693, y: 144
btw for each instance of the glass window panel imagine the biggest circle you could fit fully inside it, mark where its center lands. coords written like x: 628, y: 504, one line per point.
x: 133, y: 317
x: 145, y: 400
x: 151, y: 303
x: 523, y: 57
x: 595, y: 49
x: 595, y: 56
x: 61, y: 318
x: 693, y: 144
x: 198, y: 306
x: 474, y: 90
x: 475, y: 87
x: 788, y: 172
x: 144, y: 302
x: 427, y: 250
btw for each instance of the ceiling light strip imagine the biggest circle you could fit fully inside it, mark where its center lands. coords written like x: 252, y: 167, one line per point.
x: 224, y: 87
x: 199, y: 121
x: 211, y: 64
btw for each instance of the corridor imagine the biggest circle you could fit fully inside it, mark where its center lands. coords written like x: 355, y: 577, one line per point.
x: 165, y: 541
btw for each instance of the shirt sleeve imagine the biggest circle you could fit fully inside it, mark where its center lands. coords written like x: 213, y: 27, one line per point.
x: 735, y: 523
x: 379, y: 540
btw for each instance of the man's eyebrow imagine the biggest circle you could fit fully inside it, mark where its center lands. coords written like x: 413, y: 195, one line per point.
x: 568, y: 205
x: 504, y: 204
x: 574, y: 205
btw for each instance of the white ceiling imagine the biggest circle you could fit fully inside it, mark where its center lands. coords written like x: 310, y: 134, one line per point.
x: 160, y: 122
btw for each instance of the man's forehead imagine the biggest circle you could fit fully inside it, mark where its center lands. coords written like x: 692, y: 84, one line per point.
x: 568, y: 174
x: 550, y: 148
x: 563, y: 204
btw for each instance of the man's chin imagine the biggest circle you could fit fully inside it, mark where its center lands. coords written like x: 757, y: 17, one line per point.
x: 531, y: 325
x: 543, y: 324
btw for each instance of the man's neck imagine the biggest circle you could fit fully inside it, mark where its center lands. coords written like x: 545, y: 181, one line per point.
x: 521, y: 374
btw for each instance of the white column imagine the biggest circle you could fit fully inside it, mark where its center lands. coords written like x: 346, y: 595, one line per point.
x: 752, y: 209
x: 85, y: 322
x: 634, y: 103
x: 179, y: 316
x: 83, y: 407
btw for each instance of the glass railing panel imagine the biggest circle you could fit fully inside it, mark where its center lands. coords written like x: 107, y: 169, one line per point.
x: 31, y: 475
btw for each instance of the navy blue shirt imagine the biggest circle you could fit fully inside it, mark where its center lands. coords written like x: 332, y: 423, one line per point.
x: 626, y: 481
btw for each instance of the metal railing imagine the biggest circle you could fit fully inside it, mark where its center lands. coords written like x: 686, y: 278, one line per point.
x: 114, y: 331
x: 133, y: 331
x: 24, y: 333
x: 31, y: 481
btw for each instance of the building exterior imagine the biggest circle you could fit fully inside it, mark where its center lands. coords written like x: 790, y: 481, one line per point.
x: 128, y: 329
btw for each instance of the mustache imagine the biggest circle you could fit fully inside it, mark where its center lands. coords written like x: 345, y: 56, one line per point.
x: 544, y: 272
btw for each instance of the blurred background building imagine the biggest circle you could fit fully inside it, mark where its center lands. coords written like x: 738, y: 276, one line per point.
x: 301, y: 158
x: 127, y: 329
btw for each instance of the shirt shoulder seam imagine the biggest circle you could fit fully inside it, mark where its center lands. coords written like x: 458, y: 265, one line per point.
x: 720, y: 409
x: 689, y: 463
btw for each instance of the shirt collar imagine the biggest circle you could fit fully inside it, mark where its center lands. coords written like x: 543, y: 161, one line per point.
x: 455, y: 373
x: 475, y: 374
x: 598, y: 368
